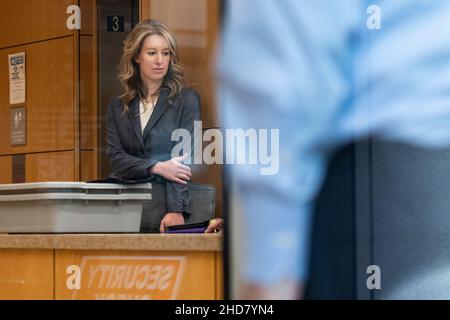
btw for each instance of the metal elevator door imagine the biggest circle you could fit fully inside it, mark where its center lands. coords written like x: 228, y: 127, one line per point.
x: 116, y: 18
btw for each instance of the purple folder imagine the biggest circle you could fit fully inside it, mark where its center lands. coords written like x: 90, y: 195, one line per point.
x: 189, y: 228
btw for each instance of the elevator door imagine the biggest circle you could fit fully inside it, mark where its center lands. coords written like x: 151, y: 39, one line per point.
x: 116, y: 18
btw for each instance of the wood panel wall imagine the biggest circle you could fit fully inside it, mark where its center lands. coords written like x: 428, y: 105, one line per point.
x: 49, y: 97
x: 5, y: 175
x: 26, y: 21
x: 88, y: 92
x: 50, y: 166
x: 61, y: 89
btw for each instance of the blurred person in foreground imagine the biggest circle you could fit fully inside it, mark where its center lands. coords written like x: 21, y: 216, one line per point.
x: 319, y: 73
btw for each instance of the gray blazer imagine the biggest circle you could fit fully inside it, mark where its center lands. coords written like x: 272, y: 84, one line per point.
x: 132, y: 153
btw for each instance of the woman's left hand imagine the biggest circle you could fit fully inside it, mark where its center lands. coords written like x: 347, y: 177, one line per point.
x: 171, y: 219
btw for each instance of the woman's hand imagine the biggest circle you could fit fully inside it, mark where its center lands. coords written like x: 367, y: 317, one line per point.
x: 171, y: 219
x: 173, y: 170
x: 215, y: 225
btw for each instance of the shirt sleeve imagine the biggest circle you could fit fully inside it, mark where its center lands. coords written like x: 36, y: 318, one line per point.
x: 282, y: 68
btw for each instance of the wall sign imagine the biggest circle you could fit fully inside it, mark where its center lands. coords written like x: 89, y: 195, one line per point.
x: 16, y: 78
x: 17, y: 125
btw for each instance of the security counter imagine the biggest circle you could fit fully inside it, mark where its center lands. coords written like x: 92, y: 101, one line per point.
x: 111, y: 266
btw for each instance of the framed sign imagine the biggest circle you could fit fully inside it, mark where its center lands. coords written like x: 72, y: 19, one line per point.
x: 16, y: 78
x: 17, y: 125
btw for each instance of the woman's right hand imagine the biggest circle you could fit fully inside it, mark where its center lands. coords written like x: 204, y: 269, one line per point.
x: 173, y: 170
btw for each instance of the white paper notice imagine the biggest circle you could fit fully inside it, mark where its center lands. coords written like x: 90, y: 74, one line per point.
x: 16, y: 78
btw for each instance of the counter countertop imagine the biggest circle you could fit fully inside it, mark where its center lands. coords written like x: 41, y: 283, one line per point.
x: 149, y: 242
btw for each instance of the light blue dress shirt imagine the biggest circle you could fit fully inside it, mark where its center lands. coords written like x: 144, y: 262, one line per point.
x: 315, y: 71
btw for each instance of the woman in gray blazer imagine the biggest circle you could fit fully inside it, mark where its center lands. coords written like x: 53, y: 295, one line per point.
x: 141, y: 121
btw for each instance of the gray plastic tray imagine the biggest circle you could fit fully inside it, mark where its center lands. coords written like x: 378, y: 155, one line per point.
x: 71, y: 207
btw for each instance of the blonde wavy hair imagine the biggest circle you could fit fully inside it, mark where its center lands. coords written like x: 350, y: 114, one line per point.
x: 129, y: 74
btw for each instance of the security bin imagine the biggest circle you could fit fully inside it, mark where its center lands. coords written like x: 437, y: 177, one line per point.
x: 71, y: 207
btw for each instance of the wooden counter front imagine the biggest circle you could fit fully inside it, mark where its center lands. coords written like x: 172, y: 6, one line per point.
x: 111, y: 266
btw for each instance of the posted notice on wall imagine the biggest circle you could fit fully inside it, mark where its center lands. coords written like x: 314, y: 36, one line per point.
x: 16, y: 78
